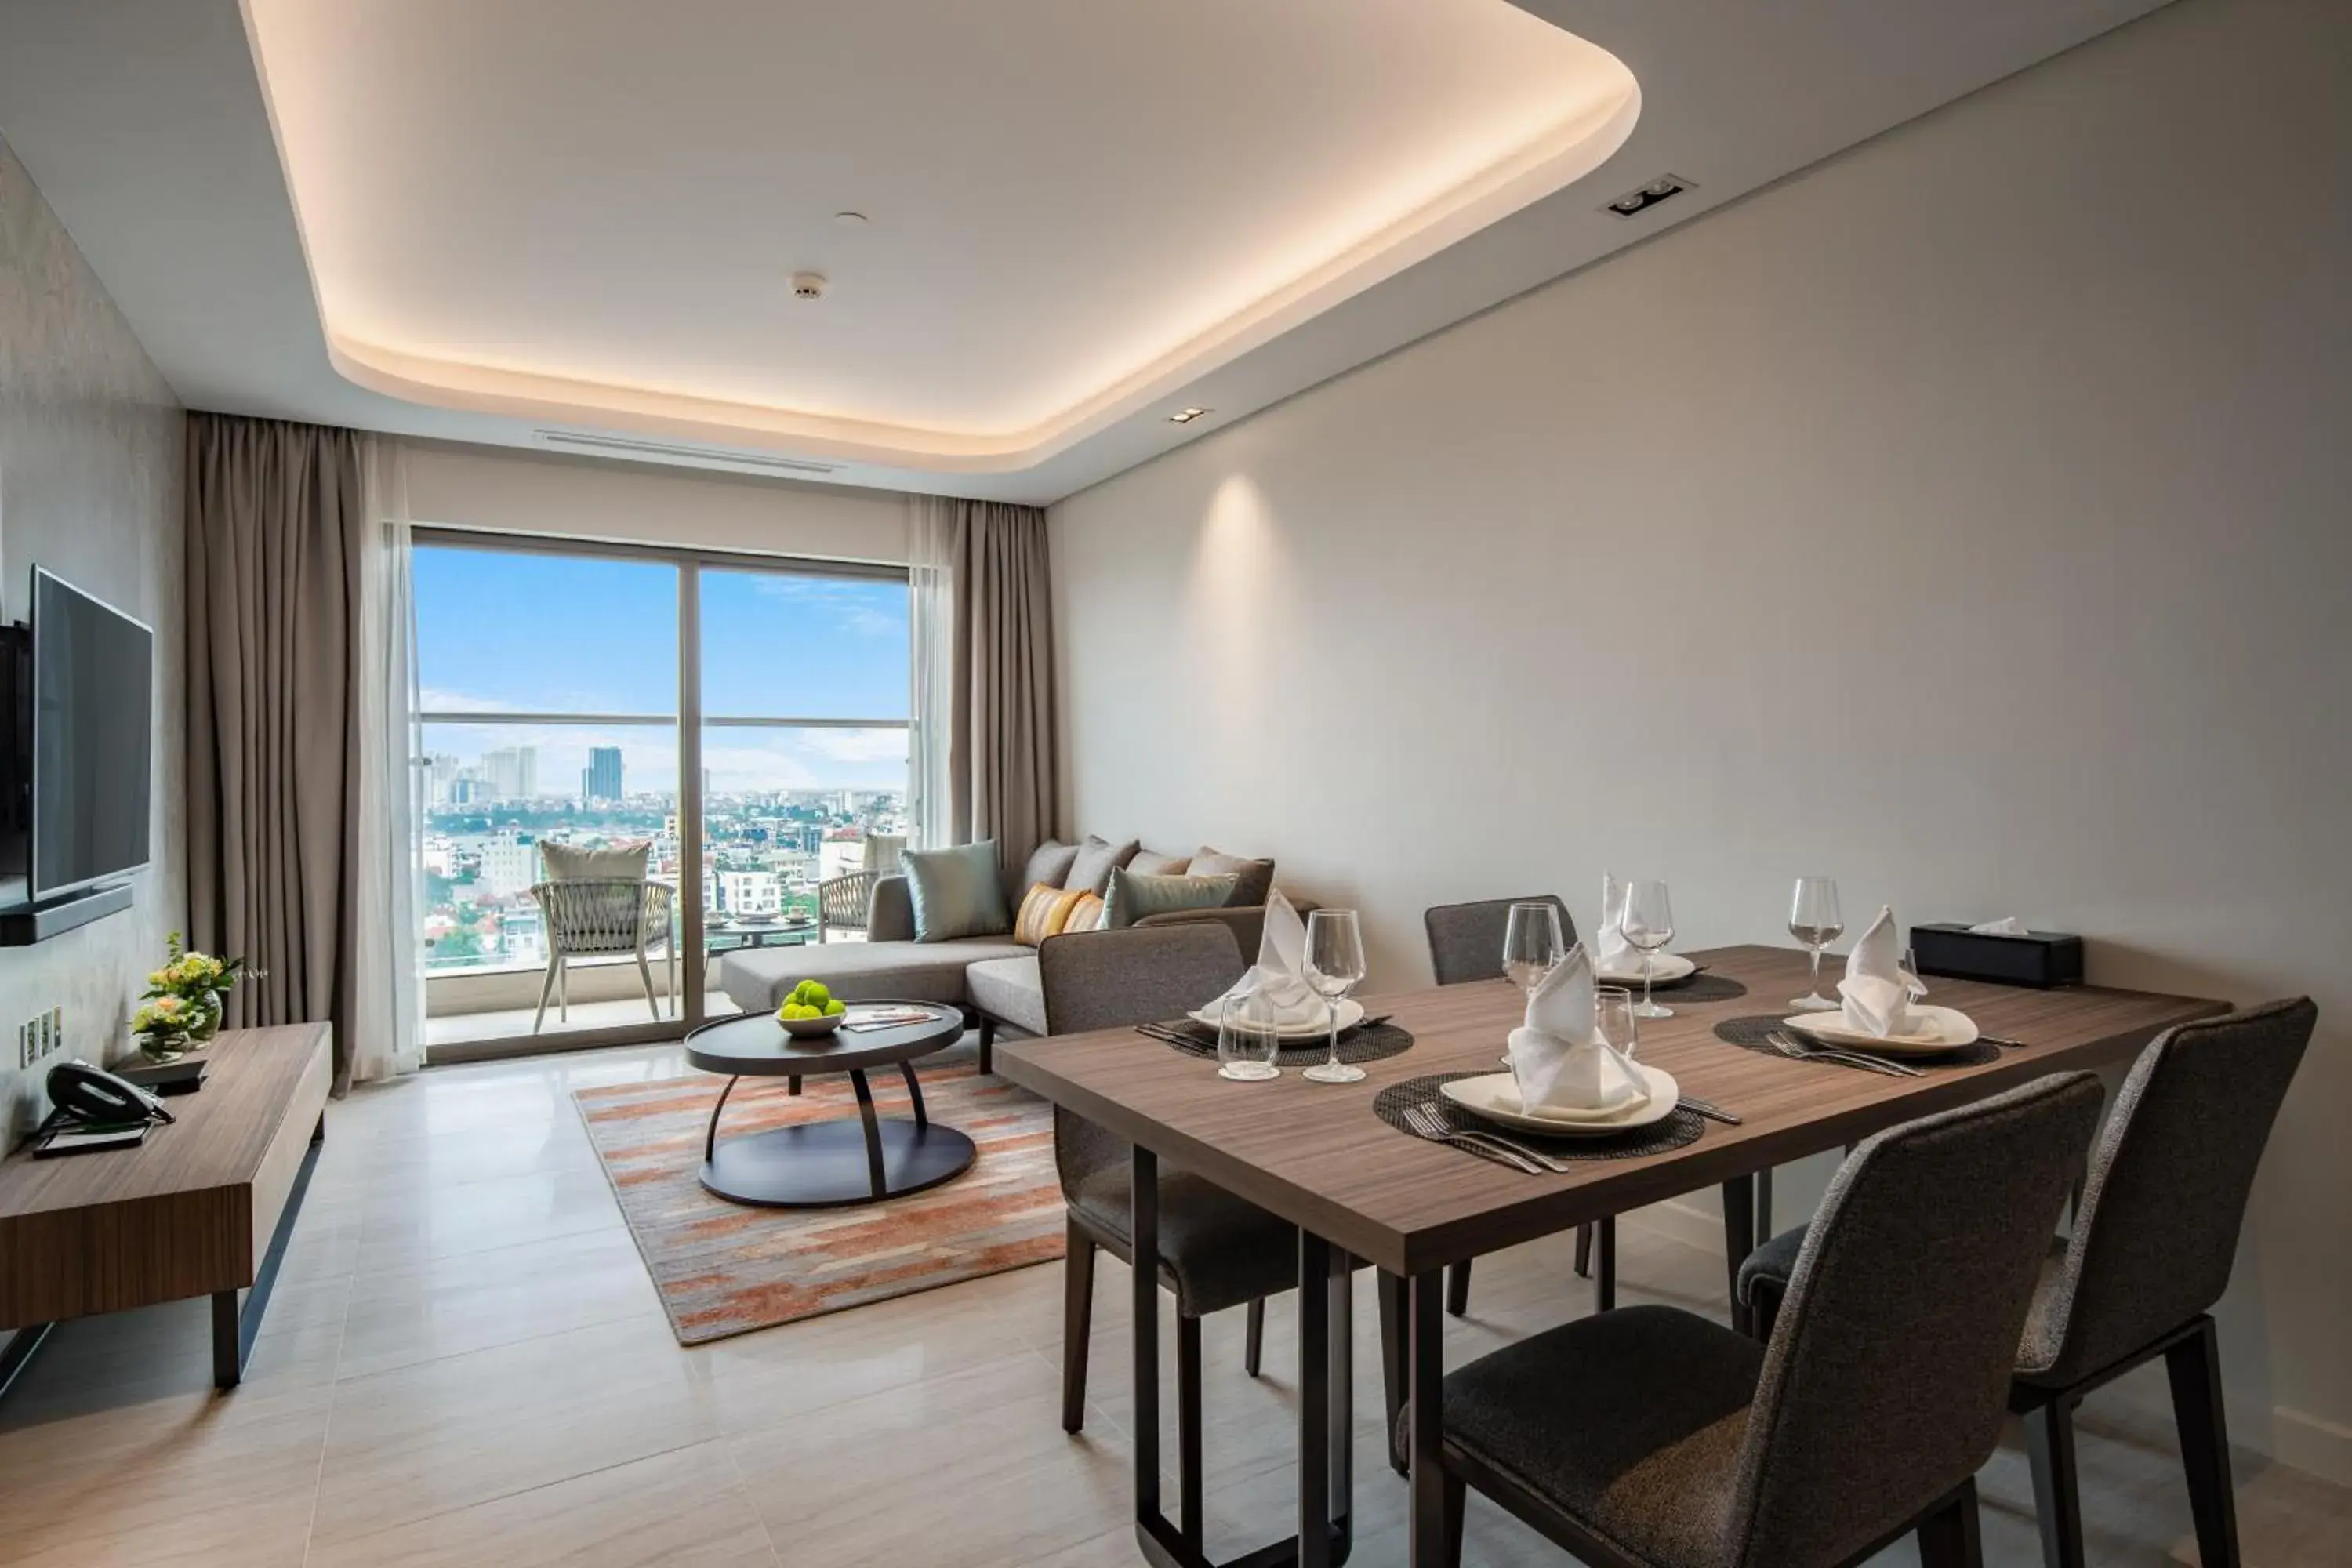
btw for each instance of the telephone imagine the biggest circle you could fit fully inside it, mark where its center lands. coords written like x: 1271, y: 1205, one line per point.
x: 92, y: 1097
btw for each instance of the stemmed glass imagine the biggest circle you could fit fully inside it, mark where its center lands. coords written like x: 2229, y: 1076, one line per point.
x: 1649, y: 925
x: 1612, y: 1016
x: 1334, y: 965
x: 1814, y: 919
x: 1531, y: 944
x: 1247, y: 1039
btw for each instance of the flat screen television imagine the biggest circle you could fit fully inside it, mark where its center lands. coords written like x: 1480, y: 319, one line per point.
x: 93, y: 728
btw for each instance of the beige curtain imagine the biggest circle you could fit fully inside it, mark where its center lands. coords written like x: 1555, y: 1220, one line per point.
x: 276, y: 544
x: 1002, y: 723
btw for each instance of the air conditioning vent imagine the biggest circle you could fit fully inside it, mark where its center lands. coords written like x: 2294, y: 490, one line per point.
x: 680, y: 452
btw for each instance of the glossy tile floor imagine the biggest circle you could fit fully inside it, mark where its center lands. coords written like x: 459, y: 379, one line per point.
x: 465, y: 1364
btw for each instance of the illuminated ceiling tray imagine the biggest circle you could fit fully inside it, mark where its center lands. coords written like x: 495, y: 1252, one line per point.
x: 592, y: 211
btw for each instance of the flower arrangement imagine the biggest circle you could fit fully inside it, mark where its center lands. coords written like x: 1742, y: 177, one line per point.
x: 199, y: 984
x: 162, y: 1025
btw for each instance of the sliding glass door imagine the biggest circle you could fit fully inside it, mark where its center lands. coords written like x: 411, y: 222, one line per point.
x: 635, y: 761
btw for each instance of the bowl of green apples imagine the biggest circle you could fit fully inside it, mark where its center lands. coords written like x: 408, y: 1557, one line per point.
x: 811, y: 1010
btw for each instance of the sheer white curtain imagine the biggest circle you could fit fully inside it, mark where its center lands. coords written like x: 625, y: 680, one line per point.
x: 931, y: 545
x: 387, y: 1020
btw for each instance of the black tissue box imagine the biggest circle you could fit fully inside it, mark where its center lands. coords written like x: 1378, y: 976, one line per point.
x: 2040, y: 958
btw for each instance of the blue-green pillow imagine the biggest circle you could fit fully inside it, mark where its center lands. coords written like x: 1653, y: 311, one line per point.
x: 1134, y: 895
x: 957, y: 892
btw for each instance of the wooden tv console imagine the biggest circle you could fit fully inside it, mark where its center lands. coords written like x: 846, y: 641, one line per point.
x: 201, y: 1208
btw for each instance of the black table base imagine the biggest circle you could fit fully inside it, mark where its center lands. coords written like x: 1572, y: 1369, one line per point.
x: 831, y: 1164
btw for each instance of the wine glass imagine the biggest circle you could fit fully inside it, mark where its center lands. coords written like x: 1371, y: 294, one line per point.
x: 1814, y: 919
x: 1612, y: 1016
x: 1247, y: 1039
x: 1649, y: 925
x: 1912, y: 984
x: 1334, y: 965
x: 1531, y: 944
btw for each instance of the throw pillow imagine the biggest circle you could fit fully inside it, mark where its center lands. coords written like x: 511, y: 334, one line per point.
x: 1086, y: 914
x: 1097, y: 858
x: 1044, y: 912
x: 578, y: 863
x: 1133, y: 897
x: 1256, y: 876
x: 1151, y: 863
x: 956, y: 892
x: 1049, y: 863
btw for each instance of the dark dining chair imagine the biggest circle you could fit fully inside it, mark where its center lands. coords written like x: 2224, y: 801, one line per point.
x: 2153, y: 1236
x: 1216, y: 1250
x: 1466, y: 943
x: 1653, y: 1438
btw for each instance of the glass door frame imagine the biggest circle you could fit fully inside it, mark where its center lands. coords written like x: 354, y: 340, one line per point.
x: 691, y: 561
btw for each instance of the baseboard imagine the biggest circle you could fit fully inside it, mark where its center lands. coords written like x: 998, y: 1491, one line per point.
x: 1684, y: 1220
x: 2309, y: 1443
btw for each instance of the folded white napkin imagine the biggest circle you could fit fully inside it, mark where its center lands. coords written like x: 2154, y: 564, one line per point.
x: 2008, y: 925
x: 1613, y: 954
x: 1280, y: 975
x: 1558, y: 1057
x: 1876, y: 989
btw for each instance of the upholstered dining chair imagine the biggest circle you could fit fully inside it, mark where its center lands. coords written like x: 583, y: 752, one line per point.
x: 2153, y: 1236
x: 1466, y: 943
x: 1653, y: 1438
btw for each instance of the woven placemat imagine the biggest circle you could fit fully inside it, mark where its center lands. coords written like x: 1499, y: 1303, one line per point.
x: 1683, y: 1126
x: 1748, y: 1034
x: 1365, y: 1042
x: 1699, y: 987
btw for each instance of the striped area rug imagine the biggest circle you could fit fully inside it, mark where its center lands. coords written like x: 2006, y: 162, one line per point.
x: 725, y: 1269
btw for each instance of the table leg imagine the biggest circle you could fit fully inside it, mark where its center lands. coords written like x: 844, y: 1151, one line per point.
x: 1393, y: 1360
x: 710, y: 1134
x: 873, y: 1167
x: 1738, y: 1239
x: 1143, y: 1232
x: 1764, y: 1228
x: 1425, y: 1381
x: 1314, y: 1400
x: 915, y: 1094
x: 1342, y: 1361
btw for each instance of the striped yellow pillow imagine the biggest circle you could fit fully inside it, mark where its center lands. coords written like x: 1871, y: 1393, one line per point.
x: 1086, y: 914
x: 1045, y: 911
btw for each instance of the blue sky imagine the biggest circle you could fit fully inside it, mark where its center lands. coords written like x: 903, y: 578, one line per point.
x: 500, y: 631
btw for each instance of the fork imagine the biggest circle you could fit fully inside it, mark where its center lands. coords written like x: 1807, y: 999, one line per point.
x: 1425, y: 1122
x: 1519, y: 1146
x: 1788, y: 1047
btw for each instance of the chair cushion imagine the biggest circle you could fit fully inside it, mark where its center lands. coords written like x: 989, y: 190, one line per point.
x: 1097, y: 859
x: 757, y: 979
x: 1629, y: 1422
x: 1770, y: 1266
x: 1133, y: 897
x: 613, y: 863
x: 1256, y: 876
x: 957, y: 892
x: 1221, y: 1250
x: 1008, y: 989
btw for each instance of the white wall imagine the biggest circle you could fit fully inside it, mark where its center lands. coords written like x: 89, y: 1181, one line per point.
x: 1966, y: 517
x: 91, y: 467
x: 509, y: 491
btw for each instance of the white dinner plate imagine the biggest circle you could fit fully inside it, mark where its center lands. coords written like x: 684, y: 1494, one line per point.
x: 1671, y: 966
x: 1933, y: 1029
x: 1496, y: 1096
x: 1352, y: 1013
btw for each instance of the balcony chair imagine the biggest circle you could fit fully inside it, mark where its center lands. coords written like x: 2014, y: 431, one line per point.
x: 601, y: 917
x: 844, y: 903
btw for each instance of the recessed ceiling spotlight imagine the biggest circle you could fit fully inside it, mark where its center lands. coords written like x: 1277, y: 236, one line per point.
x: 850, y: 220
x: 1634, y: 203
x: 1186, y: 416
x: 808, y: 285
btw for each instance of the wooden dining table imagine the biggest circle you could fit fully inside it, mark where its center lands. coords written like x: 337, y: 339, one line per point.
x: 1317, y: 1156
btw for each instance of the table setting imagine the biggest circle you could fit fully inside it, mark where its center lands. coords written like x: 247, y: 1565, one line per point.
x: 1618, y: 960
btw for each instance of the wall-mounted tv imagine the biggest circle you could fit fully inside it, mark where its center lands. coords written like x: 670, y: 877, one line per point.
x: 92, y: 693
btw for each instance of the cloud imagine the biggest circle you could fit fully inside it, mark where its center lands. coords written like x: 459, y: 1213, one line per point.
x: 846, y: 605
x: 435, y: 699
x: 857, y: 745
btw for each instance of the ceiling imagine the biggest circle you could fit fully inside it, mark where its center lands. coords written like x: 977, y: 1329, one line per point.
x: 545, y: 222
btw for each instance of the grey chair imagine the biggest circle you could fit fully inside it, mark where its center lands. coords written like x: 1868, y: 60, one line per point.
x: 2154, y: 1236
x: 603, y: 916
x: 1656, y: 1438
x: 1465, y: 944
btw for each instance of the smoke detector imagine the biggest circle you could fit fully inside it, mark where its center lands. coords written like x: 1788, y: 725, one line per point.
x: 808, y: 285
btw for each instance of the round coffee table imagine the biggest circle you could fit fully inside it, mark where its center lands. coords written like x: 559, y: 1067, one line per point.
x: 826, y: 1164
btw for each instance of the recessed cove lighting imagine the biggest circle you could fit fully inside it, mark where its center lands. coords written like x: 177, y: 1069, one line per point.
x: 1186, y: 416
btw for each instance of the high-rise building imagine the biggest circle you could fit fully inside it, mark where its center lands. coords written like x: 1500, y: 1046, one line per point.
x: 513, y: 772
x: 510, y: 864
x: 440, y: 778
x: 601, y: 780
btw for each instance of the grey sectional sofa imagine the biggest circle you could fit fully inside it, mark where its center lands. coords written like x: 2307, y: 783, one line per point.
x: 995, y: 978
